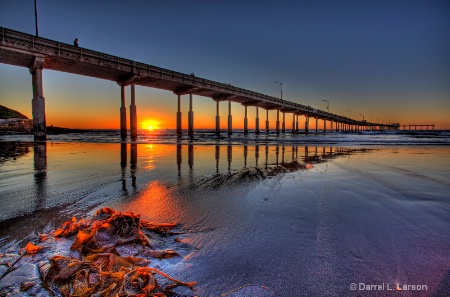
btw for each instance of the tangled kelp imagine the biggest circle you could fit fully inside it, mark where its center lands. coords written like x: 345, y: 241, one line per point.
x: 109, y: 255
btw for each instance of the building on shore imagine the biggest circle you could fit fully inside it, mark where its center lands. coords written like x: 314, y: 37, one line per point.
x: 16, y: 125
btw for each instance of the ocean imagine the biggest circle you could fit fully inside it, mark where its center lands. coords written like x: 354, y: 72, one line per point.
x: 168, y: 136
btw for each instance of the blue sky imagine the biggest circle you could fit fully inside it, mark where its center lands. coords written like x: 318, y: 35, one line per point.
x: 383, y: 59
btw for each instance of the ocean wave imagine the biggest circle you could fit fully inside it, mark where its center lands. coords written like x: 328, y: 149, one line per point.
x: 238, y: 137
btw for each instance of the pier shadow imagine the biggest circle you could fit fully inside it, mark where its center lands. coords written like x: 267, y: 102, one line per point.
x: 246, y: 167
x: 124, y: 165
x: 40, y: 173
x: 13, y: 150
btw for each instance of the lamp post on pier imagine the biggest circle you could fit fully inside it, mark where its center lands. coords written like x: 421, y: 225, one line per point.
x: 328, y: 105
x: 35, y: 18
x: 363, y: 121
x: 350, y: 113
x: 281, y: 88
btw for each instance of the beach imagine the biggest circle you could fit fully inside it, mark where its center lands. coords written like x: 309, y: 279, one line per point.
x: 257, y: 218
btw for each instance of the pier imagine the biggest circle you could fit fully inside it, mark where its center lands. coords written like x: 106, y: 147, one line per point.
x: 421, y: 127
x: 37, y: 54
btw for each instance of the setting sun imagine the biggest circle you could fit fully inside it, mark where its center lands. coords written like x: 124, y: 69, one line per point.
x: 149, y: 125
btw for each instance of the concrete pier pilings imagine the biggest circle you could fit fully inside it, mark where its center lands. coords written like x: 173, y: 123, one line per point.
x: 257, y: 121
x: 267, y: 121
x: 293, y: 122
x: 38, y: 101
x: 179, y: 130
x: 283, y: 124
x: 217, y: 117
x: 278, y: 122
x: 123, y: 113
x: 245, y: 121
x: 133, y: 114
x: 306, y: 124
x: 230, y: 119
x: 131, y: 80
x: 190, y: 117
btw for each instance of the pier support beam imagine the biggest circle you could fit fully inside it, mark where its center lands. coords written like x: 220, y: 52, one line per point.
x: 133, y: 114
x: 179, y: 130
x: 317, y: 125
x: 230, y: 119
x: 123, y: 110
x: 293, y: 122
x: 324, y: 126
x: 190, y: 117
x: 306, y: 124
x: 278, y: 122
x: 257, y: 121
x: 38, y: 101
x: 217, y: 118
x: 283, y: 124
x: 296, y: 123
x: 245, y: 121
x: 123, y: 113
x: 267, y: 121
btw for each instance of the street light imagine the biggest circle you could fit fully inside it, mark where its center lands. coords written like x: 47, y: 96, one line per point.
x: 350, y: 113
x: 328, y: 105
x: 378, y: 120
x: 362, y: 116
x: 35, y: 18
x: 281, y: 87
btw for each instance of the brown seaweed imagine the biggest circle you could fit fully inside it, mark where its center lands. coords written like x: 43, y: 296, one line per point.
x: 103, y: 266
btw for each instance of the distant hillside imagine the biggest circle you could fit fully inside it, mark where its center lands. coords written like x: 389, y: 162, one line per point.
x: 6, y: 113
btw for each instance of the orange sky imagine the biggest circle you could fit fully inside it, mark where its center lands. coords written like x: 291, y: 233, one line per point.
x: 82, y: 102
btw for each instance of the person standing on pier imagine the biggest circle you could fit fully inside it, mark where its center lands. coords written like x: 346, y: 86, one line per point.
x: 75, y: 42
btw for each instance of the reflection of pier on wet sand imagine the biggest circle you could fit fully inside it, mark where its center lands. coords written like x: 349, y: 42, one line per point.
x: 267, y: 160
x: 277, y: 159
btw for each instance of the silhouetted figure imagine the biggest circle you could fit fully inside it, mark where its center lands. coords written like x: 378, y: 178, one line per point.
x: 75, y: 42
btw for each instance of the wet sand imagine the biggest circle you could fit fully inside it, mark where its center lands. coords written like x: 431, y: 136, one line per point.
x: 259, y: 220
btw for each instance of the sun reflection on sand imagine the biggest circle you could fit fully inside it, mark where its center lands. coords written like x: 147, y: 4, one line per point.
x: 157, y: 201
